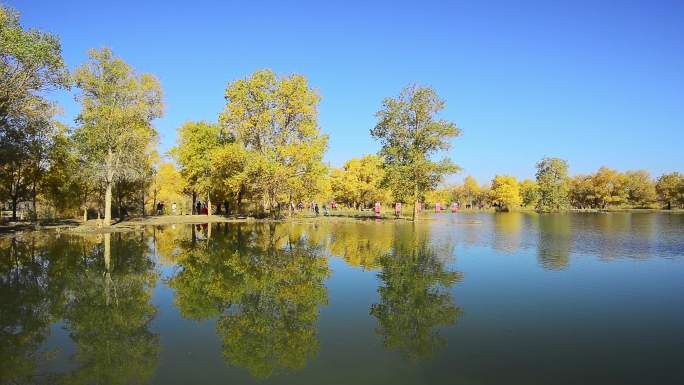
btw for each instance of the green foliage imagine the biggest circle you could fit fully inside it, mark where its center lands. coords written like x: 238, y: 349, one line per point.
x: 31, y: 64
x: 553, y: 182
x: 115, y: 136
x: 196, y: 141
x: 410, y: 136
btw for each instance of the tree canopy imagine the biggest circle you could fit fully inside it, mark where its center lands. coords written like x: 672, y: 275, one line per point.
x: 410, y: 135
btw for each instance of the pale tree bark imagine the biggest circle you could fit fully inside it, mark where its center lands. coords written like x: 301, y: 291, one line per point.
x: 108, y: 190
x: 208, y: 204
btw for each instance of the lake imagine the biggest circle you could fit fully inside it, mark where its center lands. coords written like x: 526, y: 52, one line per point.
x: 512, y: 298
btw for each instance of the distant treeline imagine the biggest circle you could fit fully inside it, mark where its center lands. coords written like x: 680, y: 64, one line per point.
x: 604, y: 189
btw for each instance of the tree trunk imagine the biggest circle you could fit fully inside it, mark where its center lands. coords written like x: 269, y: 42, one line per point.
x: 208, y: 205
x: 14, y: 209
x: 85, y: 214
x: 34, y: 198
x: 143, y: 198
x: 108, y: 190
x: 108, y: 205
x: 194, y: 202
x: 415, y: 203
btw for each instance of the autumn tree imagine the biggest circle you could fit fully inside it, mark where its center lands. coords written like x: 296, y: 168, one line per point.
x: 196, y: 141
x: 670, y: 189
x: 359, y: 181
x: 410, y: 136
x: 506, y: 192
x: 529, y: 193
x: 166, y: 185
x: 553, y: 182
x: 31, y: 64
x: 639, y: 188
x: 276, y: 120
x: 115, y: 123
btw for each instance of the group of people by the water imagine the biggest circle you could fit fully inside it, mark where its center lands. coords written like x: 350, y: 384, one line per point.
x: 161, y: 208
x: 202, y: 208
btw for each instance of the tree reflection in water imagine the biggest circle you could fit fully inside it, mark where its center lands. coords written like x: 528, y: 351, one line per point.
x: 101, y: 289
x: 415, y: 297
x: 265, y: 284
x: 108, y: 315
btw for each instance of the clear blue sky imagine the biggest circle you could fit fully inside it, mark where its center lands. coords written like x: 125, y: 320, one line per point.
x: 593, y: 82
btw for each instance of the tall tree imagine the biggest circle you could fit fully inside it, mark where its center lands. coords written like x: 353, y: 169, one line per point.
x: 553, y: 182
x: 115, y: 129
x: 277, y: 119
x: 410, y: 136
x: 30, y: 65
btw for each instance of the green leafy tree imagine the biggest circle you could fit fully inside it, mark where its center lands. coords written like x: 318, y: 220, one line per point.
x: 115, y: 133
x: 196, y: 141
x: 31, y: 64
x: 554, y: 183
x: 410, y: 136
x: 65, y: 184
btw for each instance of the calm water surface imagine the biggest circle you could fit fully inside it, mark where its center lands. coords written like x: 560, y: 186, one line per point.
x: 457, y: 299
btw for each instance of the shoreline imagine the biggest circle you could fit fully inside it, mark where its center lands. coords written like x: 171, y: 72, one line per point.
x: 135, y: 223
